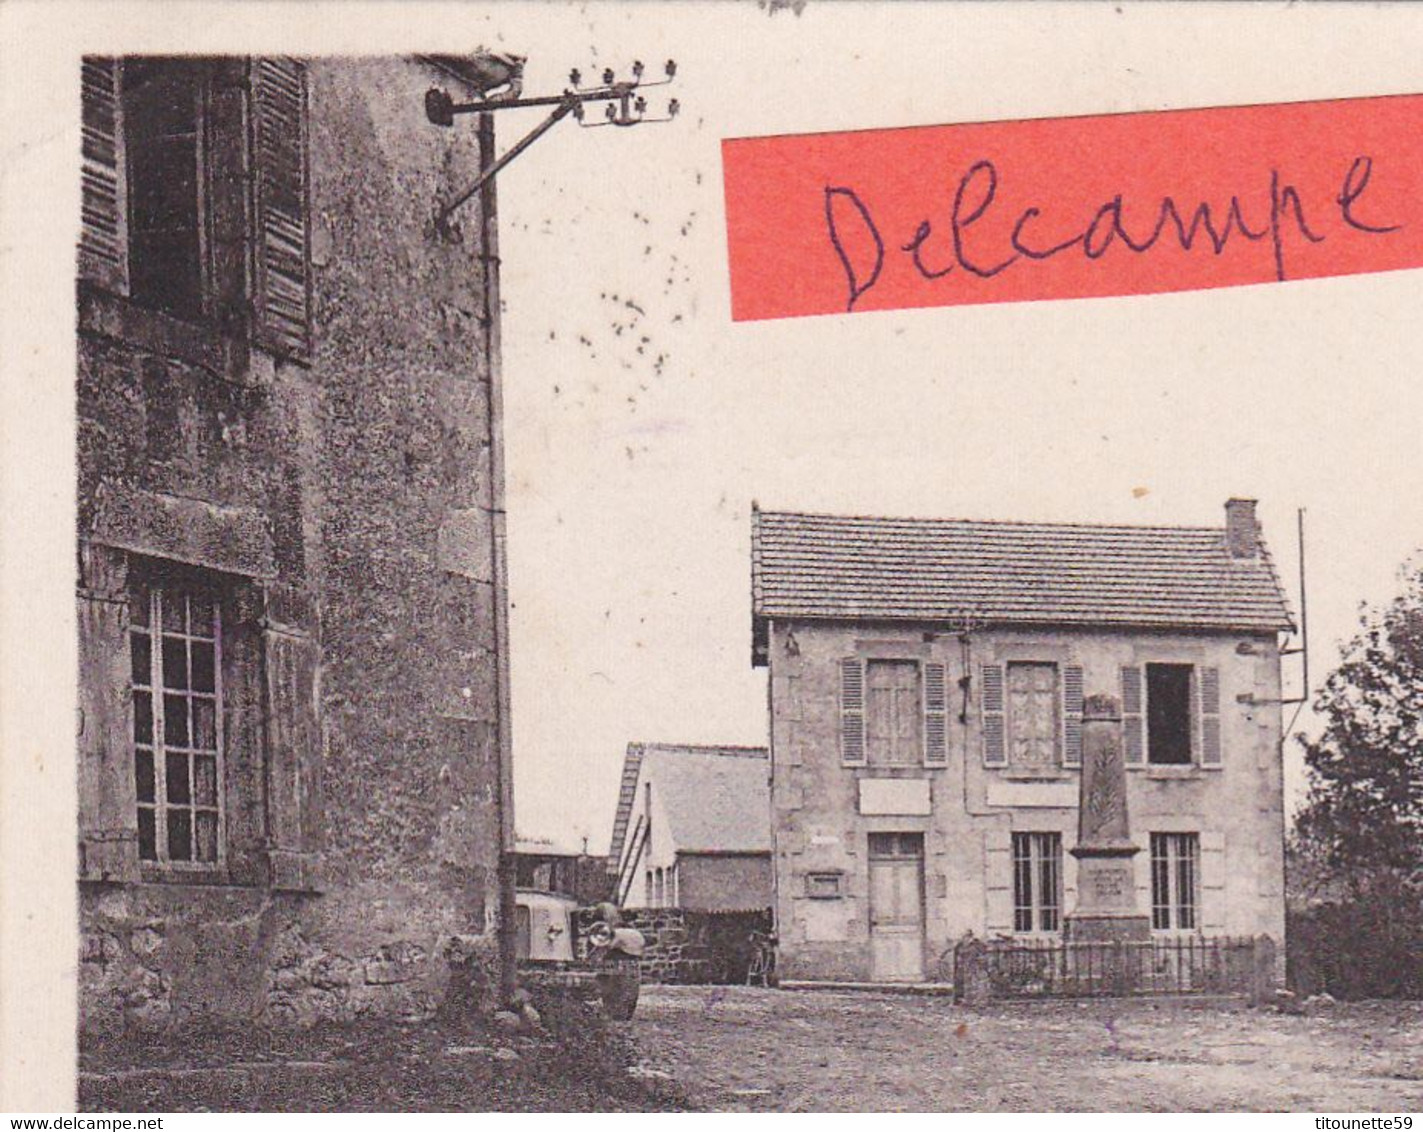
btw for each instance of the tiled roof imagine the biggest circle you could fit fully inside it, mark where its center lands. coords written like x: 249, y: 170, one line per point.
x: 831, y: 567
x: 715, y: 799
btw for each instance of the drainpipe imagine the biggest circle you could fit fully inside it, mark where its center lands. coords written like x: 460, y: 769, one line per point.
x: 489, y: 254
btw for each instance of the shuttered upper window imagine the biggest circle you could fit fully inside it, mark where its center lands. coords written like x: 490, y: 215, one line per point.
x: 195, y: 192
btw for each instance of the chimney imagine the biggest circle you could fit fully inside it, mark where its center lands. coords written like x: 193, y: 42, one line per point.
x: 1242, y: 532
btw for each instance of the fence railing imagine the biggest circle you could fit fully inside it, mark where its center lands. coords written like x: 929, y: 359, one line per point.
x: 1006, y: 969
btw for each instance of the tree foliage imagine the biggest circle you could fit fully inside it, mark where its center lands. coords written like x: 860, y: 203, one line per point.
x: 1362, y: 823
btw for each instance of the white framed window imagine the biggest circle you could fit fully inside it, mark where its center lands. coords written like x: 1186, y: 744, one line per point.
x: 175, y: 650
x: 1037, y: 882
x: 1175, y: 881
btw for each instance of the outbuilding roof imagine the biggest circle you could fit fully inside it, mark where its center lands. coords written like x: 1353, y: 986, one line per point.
x: 831, y: 567
x: 716, y: 799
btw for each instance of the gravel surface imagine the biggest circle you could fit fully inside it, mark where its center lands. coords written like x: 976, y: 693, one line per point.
x: 743, y: 1048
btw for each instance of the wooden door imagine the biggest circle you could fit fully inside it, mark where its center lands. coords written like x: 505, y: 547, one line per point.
x: 896, y: 907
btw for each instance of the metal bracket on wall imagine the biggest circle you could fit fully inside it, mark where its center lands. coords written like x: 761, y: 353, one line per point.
x: 626, y: 106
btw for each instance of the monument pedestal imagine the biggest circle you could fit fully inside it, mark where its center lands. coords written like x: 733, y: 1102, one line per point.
x: 1106, y: 897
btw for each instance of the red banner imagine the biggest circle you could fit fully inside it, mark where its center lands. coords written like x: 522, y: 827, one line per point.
x: 1064, y: 208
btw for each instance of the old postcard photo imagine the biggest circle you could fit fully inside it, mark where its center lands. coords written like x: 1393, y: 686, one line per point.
x: 766, y: 557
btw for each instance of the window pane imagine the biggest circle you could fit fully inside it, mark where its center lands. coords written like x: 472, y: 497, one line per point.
x: 164, y: 186
x: 143, y: 774
x: 180, y: 835
x: 1168, y: 713
x: 1022, y: 884
x: 1049, y: 868
x: 1160, y: 883
x: 204, y: 724
x: 202, y: 666
x: 178, y: 787
x: 200, y: 612
x: 141, y: 653
x: 142, y: 717
x: 165, y: 272
x: 175, y: 662
x: 172, y: 604
x: 175, y: 721
x: 205, y: 781
x: 147, y: 842
x: 138, y: 599
x: 207, y: 835
x: 159, y: 96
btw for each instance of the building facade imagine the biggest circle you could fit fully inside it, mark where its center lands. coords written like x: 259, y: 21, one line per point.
x: 293, y: 746
x: 927, y: 681
x: 692, y: 829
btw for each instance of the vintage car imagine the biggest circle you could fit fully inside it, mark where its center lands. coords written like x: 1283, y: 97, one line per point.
x: 584, y: 949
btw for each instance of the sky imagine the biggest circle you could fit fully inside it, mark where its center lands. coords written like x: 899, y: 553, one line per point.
x: 642, y: 422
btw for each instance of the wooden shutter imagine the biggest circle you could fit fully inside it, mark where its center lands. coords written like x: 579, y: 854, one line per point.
x: 108, y: 817
x: 1133, y: 724
x: 995, y: 751
x: 1208, y: 681
x: 1072, y: 715
x: 281, y: 301
x: 852, y: 711
x: 103, y: 234
x: 291, y: 661
x: 936, y: 710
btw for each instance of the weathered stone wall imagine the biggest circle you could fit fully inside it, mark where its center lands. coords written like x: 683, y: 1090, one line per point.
x: 685, y: 946
x: 1237, y: 809
x: 369, y: 471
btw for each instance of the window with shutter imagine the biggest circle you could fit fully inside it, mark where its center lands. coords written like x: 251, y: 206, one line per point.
x: 1209, y: 682
x: 936, y: 710
x: 282, y: 302
x: 1133, y: 729
x: 1072, y: 704
x: 852, y: 711
x: 103, y: 236
x: 195, y: 192
x: 991, y: 699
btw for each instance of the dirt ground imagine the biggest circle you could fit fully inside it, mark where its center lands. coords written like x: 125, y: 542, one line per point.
x: 742, y: 1048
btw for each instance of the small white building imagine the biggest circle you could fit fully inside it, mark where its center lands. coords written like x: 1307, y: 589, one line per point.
x: 693, y: 828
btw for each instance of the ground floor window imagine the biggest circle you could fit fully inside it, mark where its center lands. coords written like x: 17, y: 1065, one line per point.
x: 176, y: 679
x: 1175, y: 881
x: 1037, y: 882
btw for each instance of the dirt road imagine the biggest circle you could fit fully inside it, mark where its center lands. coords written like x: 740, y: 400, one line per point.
x: 742, y: 1048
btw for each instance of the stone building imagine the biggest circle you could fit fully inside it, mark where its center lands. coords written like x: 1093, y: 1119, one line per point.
x: 927, y: 681
x: 293, y: 745
x: 692, y: 829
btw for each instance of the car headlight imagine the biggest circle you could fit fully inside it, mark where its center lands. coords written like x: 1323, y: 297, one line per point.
x: 600, y: 934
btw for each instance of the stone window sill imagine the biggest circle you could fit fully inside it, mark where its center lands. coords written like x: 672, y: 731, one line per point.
x: 1047, y: 775
x: 151, y: 873
x: 106, y: 315
x: 1169, y: 773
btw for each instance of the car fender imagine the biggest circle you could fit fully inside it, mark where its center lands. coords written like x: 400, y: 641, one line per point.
x: 629, y: 941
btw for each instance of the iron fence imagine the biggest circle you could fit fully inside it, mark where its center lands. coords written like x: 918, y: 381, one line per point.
x: 1185, y: 965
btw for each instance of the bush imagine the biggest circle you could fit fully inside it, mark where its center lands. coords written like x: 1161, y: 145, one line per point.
x: 1370, y: 946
